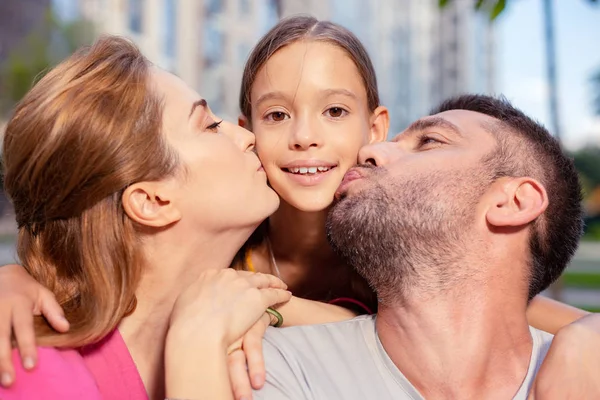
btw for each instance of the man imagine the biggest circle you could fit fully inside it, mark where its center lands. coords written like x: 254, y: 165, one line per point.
x: 457, y: 223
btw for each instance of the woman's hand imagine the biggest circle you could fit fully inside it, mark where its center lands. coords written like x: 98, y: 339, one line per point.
x: 208, y: 318
x: 245, y: 360
x: 571, y: 369
x: 22, y: 297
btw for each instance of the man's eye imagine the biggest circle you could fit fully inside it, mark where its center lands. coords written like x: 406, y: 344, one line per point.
x: 427, y: 140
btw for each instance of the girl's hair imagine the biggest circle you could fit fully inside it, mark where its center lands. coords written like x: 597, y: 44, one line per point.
x: 79, y: 137
x: 286, y: 32
x: 297, y: 28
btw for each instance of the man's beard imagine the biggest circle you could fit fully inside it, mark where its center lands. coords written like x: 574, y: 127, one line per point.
x: 408, y: 235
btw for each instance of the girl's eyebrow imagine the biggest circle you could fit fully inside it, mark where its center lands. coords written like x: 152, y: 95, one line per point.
x: 343, y: 92
x: 270, y: 96
x: 325, y: 93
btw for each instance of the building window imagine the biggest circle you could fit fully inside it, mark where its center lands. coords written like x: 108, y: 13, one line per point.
x: 135, y: 10
x: 170, y: 28
x: 213, y: 43
x: 213, y: 7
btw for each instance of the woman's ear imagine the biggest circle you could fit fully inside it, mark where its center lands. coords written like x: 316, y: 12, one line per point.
x: 149, y: 204
x: 380, y: 124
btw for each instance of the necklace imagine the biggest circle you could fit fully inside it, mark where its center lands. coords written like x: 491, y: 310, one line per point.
x: 272, y: 257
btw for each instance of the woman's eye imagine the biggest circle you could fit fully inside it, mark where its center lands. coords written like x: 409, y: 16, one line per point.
x: 214, y: 126
x: 336, y: 112
x: 277, y: 116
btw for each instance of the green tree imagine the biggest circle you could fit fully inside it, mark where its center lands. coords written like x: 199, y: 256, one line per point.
x: 43, y: 48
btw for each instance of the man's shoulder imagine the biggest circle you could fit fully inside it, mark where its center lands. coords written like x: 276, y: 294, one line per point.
x: 351, y: 329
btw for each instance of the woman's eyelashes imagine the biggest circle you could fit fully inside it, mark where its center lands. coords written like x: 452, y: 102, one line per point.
x: 214, y: 127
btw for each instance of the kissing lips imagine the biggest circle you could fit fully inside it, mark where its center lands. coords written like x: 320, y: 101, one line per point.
x: 351, y: 176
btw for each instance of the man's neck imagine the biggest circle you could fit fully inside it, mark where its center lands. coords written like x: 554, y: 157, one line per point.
x: 472, y: 342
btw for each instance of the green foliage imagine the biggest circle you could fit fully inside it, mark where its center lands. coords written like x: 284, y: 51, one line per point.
x: 493, y: 7
x: 587, y: 161
x: 584, y: 280
x: 43, y: 48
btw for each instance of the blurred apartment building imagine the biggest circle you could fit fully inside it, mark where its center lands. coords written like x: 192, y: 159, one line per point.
x: 422, y: 55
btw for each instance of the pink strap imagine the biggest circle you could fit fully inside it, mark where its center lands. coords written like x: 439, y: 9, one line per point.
x: 352, y: 301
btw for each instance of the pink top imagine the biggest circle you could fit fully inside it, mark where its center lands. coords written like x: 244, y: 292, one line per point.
x: 101, y: 371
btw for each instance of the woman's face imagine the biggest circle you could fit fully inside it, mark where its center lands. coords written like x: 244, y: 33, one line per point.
x: 310, y: 116
x: 222, y: 184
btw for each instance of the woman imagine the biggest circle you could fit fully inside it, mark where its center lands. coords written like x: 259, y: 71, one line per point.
x: 109, y: 162
x: 309, y: 119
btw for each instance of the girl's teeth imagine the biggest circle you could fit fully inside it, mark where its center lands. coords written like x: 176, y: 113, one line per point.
x: 308, y: 170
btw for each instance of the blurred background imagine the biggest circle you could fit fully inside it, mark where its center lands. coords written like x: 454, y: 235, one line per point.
x: 544, y: 55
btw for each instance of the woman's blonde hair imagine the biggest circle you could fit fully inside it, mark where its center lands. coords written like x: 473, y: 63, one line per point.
x: 83, y: 133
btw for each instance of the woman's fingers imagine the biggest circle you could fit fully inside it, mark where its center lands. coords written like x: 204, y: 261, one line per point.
x: 238, y: 374
x: 263, y: 281
x: 273, y: 297
x: 254, y: 353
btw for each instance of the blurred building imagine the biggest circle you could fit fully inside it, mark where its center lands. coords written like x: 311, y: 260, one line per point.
x: 422, y: 55
x: 17, y: 19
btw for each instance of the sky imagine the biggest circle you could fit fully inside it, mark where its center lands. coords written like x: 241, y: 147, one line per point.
x: 522, y: 67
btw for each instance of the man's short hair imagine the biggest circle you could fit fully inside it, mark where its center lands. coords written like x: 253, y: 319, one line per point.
x: 526, y: 148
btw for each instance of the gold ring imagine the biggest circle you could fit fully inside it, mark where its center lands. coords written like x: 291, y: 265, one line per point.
x: 231, y: 351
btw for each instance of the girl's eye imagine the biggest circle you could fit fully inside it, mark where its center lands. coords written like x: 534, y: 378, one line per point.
x: 277, y: 116
x: 214, y: 126
x: 336, y: 112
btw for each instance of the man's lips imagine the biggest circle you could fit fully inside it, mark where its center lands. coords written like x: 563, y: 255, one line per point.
x: 352, y: 175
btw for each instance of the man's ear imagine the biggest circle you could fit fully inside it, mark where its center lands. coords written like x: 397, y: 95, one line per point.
x: 516, y: 202
x: 244, y: 123
x: 380, y: 124
x: 148, y: 205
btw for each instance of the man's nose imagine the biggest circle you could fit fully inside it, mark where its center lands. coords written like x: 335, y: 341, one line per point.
x: 378, y: 154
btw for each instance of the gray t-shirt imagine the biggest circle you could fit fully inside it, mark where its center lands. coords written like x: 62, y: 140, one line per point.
x: 346, y: 360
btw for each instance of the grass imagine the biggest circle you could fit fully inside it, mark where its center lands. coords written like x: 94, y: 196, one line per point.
x: 582, y: 280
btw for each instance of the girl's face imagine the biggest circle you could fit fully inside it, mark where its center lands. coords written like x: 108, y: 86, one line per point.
x: 310, y: 116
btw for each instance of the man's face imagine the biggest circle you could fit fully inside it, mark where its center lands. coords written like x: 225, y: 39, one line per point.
x: 413, y: 202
